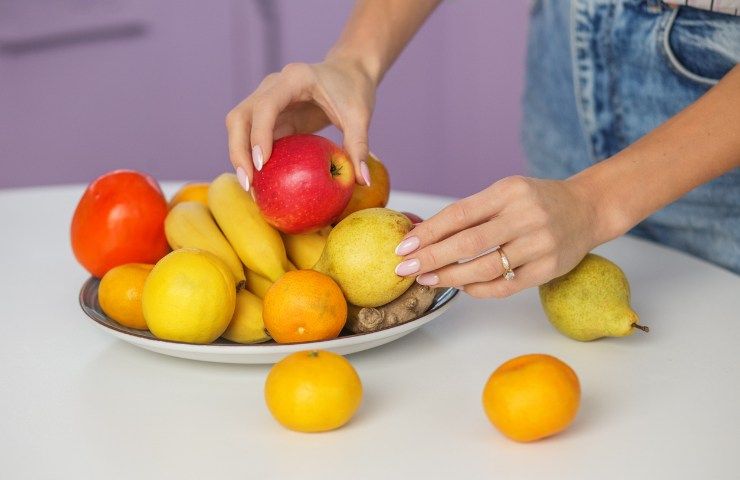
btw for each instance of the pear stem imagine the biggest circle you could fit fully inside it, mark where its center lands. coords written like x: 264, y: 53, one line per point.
x: 644, y: 328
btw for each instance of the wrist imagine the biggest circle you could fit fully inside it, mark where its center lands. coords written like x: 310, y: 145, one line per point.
x: 367, y: 64
x: 607, y: 217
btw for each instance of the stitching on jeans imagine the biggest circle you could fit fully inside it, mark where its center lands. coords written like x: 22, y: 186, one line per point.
x: 673, y: 60
x: 577, y: 89
x: 617, y: 120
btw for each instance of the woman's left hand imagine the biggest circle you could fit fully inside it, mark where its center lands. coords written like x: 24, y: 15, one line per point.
x: 545, y: 228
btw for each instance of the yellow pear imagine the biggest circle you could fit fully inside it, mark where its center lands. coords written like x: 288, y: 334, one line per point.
x: 591, y: 301
x: 360, y: 256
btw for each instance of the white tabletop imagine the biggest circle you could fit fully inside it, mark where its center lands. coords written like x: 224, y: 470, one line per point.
x: 76, y: 403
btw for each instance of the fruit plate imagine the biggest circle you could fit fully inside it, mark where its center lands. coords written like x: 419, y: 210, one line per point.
x: 224, y: 351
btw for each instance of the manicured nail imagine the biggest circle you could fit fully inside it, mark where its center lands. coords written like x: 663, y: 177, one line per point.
x: 428, y: 279
x: 257, y: 157
x: 407, y: 246
x: 241, y: 175
x: 408, y: 267
x: 365, y: 172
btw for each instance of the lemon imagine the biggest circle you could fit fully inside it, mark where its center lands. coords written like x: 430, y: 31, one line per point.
x: 189, y: 297
x: 119, y: 294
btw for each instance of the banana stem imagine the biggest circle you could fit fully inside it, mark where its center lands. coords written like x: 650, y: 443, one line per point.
x: 644, y: 328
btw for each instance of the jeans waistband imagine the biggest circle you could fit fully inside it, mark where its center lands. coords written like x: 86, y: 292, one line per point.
x: 655, y: 6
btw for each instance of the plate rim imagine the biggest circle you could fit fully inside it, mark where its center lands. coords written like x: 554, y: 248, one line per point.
x: 259, y: 348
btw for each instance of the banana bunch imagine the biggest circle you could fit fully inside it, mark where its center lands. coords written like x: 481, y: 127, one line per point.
x: 304, y: 249
x: 256, y: 242
x: 231, y: 227
x: 190, y: 224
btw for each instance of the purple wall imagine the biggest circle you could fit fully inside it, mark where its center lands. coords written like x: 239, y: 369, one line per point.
x: 152, y: 95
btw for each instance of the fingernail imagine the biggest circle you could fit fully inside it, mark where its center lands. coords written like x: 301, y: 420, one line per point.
x: 407, y: 246
x: 408, y: 267
x: 428, y: 279
x: 365, y: 172
x: 257, y: 157
x: 241, y: 175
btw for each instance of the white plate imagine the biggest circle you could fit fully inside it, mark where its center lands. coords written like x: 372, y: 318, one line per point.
x: 224, y: 351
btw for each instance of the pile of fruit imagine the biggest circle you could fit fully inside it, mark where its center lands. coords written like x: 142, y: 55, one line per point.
x: 305, y: 255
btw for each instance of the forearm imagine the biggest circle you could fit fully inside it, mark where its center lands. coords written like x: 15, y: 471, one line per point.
x: 378, y: 30
x: 698, y: 144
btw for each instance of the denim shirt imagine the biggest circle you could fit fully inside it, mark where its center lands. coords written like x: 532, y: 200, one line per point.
x: 603, y: 73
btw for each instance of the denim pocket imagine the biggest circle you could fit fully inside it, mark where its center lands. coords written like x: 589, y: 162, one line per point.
x: 701, y: 46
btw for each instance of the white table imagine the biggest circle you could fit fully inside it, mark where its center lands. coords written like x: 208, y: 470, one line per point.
x: 76, y: 403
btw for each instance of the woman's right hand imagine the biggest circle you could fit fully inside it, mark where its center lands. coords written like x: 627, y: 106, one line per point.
x: 303, y: 98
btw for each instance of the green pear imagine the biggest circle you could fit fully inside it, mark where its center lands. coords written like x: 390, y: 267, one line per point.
x: 360, y: 256
x: 591, y: 301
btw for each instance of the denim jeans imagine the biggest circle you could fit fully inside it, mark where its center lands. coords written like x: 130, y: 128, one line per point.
x: 603, y: 73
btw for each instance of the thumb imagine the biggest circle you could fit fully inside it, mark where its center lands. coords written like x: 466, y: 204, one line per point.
x: 355, y: 143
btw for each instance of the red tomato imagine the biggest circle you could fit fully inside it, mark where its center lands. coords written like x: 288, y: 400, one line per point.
x: 120, y: 219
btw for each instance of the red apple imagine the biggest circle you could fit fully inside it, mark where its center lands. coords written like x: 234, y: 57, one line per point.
x: 415, y: 219
x: 305, y: 185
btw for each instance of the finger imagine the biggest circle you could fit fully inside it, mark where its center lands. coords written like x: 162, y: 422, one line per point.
x: 266, y: 109
x: 237, y: 127
x: 528, y: 275
x: 465, y: 213
x: 484, y: 268
x: 355, y: 143
x: 467, y: 244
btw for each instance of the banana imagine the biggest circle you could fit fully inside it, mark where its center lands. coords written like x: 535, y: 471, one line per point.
x: 189, y: 224
x: 255, y: 241
x: 304, y: 249
x: 247, y: 325
x: 257, y: 284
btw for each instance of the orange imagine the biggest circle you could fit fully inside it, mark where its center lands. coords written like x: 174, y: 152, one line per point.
x: 304, y: 306
x: 313, y: 391
x: 376, y: 195
x: 119, y: 294
x: 197, y: 192
x: 532, y: 397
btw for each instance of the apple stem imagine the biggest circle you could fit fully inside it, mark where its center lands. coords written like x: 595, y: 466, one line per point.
x: 334, y: 170
x: 644, y: 328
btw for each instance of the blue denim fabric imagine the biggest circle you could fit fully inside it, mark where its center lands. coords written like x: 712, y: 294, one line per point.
x: 603, y: 73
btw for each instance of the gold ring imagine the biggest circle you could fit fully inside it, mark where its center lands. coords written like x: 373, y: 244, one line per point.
x: 508, y: 272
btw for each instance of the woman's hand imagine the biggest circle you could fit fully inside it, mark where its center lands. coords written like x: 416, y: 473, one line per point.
x: 544, y: 226
x: 303, y: 98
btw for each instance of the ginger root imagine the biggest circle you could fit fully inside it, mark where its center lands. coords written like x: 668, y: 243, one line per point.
x: 409, y: 306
